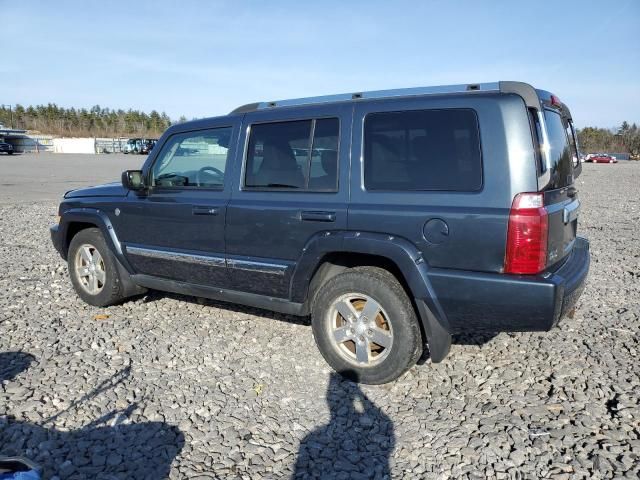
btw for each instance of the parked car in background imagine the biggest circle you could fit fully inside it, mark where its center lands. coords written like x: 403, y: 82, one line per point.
x: 147, y: 146
x: 139, y: 145
x: 601, y: 158
x: 395, y: 219
x: 6, y: 148
x: 133, y: 145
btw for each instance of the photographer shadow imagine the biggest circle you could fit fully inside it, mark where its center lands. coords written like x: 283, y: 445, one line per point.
x: 356, y: 443
x: 109, y: 447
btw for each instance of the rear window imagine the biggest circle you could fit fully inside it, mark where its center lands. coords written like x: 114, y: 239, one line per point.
x: 422, y: 150
x: 560, y: 152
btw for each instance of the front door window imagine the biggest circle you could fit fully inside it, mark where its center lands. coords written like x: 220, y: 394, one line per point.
x: 193, y: 159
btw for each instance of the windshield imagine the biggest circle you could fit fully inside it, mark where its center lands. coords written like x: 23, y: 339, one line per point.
x: 561, y: 155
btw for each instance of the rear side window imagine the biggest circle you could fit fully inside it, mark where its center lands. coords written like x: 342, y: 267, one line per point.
x: 422, y: 150
x: 299, y: 155
x: 573, y: 142
x: 560, y: 154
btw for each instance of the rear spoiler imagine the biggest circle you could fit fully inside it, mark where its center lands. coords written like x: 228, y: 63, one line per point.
x: 524, y: 90
x: 536, y: 101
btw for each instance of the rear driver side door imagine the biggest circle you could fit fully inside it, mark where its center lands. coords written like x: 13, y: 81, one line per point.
x: 293, y: 187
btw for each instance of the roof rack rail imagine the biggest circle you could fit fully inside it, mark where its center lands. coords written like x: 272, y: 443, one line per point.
x: 375, y: 94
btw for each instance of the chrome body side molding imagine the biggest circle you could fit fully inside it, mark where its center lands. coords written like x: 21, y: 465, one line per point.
x: 207, y: 260
x: 210, y: 260
x: 258, y: 267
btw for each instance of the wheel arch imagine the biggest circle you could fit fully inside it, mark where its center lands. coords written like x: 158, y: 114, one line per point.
x: 73, y: 228
x: 327, y: 255
x: 78, y: 219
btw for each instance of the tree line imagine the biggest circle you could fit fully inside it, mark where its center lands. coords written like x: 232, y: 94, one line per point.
x: 95, y: 122
x: 106, y: 122
x: 625, y: 139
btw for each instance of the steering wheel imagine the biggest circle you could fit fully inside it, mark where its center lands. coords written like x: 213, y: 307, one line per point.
x: 213, y: 170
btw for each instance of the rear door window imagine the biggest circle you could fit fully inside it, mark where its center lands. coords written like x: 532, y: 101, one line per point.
x: 560, y: 152
x: 422, y: 150
x: 299, y: 155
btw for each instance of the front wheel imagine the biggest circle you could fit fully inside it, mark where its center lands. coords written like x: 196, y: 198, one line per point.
x: 365, y: 326
x: 93, y: 270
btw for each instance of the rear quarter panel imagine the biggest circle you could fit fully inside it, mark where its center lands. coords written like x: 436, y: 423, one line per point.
x: 476, y: 221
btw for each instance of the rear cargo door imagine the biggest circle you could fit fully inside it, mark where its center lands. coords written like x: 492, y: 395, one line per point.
x: 560, y: 195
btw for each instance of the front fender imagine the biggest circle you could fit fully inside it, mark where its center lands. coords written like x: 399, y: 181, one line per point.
x: 100, y: 219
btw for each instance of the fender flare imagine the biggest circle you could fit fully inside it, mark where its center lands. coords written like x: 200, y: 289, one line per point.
x: 398, y: 250
x: 96, y: 217
x: 100, y: 219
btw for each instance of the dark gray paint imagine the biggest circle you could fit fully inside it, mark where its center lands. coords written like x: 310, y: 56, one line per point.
x: 175, y: 219
x: 274, y: 226
x: 262, y: 248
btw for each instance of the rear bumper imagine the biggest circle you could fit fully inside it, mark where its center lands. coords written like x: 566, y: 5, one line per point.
x: 477, y: 302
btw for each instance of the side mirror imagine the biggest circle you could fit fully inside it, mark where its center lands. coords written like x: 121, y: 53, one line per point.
x: 133, y: 180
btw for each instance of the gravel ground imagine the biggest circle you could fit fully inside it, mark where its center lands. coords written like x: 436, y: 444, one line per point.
x: 172, y: 386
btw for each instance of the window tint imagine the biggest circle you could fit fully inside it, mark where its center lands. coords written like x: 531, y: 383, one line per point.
x: 559, y: 151
x: 537, y: 138
x: 285, y: 156
x: 193, y: 159
x: 573, y: 142
x: 422, y: 150
x: 323, y: 171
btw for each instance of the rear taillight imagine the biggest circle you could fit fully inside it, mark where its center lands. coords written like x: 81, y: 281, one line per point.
x: 527, y: 233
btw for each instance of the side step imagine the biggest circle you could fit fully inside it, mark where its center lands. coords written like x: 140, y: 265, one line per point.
x: 232, y: 296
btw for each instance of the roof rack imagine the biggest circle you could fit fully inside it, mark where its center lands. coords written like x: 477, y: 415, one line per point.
x: 376, y: 94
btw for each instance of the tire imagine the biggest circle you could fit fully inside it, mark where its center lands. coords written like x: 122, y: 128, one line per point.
x: 349, y: 346
x: 10, y: 153
x: 89, y: 244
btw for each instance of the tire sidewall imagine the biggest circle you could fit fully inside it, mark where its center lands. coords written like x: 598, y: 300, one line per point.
x: 406, y: 334
x: 110, y: 293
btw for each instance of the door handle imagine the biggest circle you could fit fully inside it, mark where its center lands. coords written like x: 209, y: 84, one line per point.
x: 308, y: 216
x: 204, y: 210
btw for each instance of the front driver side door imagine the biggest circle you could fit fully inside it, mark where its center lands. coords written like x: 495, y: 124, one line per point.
x: 175, y: 230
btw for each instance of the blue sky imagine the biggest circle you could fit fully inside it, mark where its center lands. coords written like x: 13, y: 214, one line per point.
x: 203, y: 58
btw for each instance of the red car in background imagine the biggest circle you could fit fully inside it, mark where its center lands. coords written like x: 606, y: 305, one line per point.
x: 601, y: 158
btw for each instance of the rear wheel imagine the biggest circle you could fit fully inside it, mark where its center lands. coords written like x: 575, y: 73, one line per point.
x: 93, y: 270
x: 365, y: 326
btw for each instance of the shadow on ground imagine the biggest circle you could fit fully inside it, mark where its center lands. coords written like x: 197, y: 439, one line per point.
x: 356, y: 442
x: 12, y: 363
x: 109, y: 447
